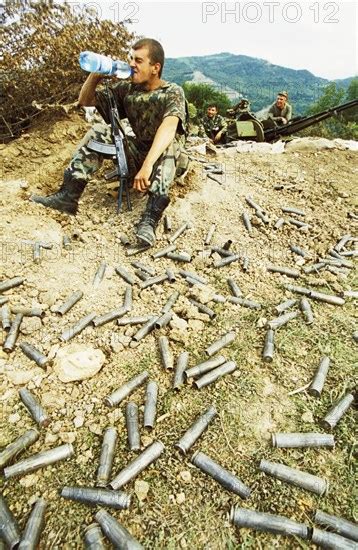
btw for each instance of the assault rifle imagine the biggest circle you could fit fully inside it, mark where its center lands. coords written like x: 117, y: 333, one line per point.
x: 115, y: 151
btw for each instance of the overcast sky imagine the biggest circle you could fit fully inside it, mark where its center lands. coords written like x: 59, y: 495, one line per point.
x: 320, y: 36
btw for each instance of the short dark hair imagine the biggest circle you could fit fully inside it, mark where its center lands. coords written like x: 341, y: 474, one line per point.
x: 212, y: 105
x: 155, y: 49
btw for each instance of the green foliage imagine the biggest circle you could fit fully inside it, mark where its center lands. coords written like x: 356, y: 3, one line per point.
x: 201, y: 95
x: 332, y: 96
x: 352, y: 92
x: 39, y: 46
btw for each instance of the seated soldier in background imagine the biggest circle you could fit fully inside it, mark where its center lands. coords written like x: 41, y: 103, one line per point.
x: 213, y: 125
x: 280, y: 111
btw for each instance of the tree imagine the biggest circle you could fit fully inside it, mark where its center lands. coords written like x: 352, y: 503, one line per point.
x: 352, y: 92
x: 201, y: 95
x: 332, y: 96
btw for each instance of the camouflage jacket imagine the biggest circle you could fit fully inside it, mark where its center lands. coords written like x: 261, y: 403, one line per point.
x: 211, y: 126
x: 145, y: 110
x: 274, y: 112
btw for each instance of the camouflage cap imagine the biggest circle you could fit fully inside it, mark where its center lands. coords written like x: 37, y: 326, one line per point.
x: 284, y: 94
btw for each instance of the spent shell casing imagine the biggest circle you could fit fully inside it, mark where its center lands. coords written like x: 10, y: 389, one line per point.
x: 11, y: 283
x: 279, y: 223
x: 116, y: 397
x: 296, y: 477
x: 13, y: 333
x: 220, y: 474
x: 339, y: 525
x: 192, y: 275
x: 126, y: 276
x: 282, y: 320
x: 247, y: 222
x: 153, y: 281
x: 285, y: 305
x: 132, y: 426
x: 3, y: 300
x: 262, y: 216
x: 336, y: 412
x: 149, y: 455
x: 146, y: 329
x: 221, y: 343
x: 215, y: 374
x: 342, y: 242
x: 39, y: 460
x: 268, y: 523
x: 250, y: 201
x: 133, y: 250
x: 150, y: 407
x: 171, y: 275
x: 194, y: 282
x: 141, y: 275
x: 269, y: 346
x: 286, y: 440
x: 319, y: 379
x: 5, y: 317
x: 167, y: 222
x: 123, y: 321
x: 107, y: 455
x: 36, y: 253
x: 164, y: 320
x: 195, y: 430
x: 235, y: 290
x: 299, y: 289
x: 92, y: 537
x: 66, y: 242
x: 143, y: 267
x: 210, y: 234
x: 244, y: 302
x: 245, y: 263
x: 98, y: 278
x: 17, y: 446
x: 180, y: 368
x: 203, y: 308
x: 227, y: 244
x: 297, y: 250
x: 9, y: 529
x: 128, y: 299
x: 72, y: 300
x: 321, y: 297
x: 124, y: 239
x: 34, y: 407
x: 171, y: 301
x: 34, y: 354
x: 164, y: 251
x: 34, y: 526
x: 110, y: 316
x: 221, y: 251
x: 179, y: 232
x: 298, y: 223
x: 116, y: 533
x: 206, y: 366
x: 284, y: 271
x: 97, y: 496
x: 227, y: 261
x: 218, y: 298
x: 179, y: 256
x: 291, y: 210
x: 71, y: 332
x: 29, y: 312
x: 314, y: 268
x: 323, y: 539
x: 165, y: 353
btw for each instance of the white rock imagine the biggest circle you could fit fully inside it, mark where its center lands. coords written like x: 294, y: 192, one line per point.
x: 141, y: 489
x: 180, y: 498
x: 78, y: 421
x: 20, y: 377
x: 50, y: 438
x: 78, y: 362
x: 29, y: 481
x: 30, y: 325
x: 52, y: 400
x: 68, y: 437
x: 178, y: 323
x: 14, y: 418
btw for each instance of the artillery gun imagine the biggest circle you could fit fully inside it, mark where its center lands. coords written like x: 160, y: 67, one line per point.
x: 244, y: 125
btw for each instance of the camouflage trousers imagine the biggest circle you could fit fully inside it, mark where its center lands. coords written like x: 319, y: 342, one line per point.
x: 85, y: 162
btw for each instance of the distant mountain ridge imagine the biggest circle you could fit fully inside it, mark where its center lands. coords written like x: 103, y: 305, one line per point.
x: 251, y: 77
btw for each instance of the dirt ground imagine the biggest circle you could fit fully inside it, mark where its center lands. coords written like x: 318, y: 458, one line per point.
x: 181, y: 507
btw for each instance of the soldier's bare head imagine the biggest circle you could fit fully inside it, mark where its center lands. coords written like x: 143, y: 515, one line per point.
x: 211, y: 110
x: 281, y: 99
x: 154, y: 51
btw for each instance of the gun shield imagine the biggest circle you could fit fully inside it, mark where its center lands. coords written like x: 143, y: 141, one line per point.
x: 132, y: 426
x: 13, y: 333
x: 72, y: 300
x: 78, y: 327
x: 268, y: 523
x: 9, y: 530
x: 116, y: 397
x: 269, y: 346
x: 336, y: 412
x: 178, y: 232
x: 341, y: 526
x: 92, y: 537
x: 116, y: 533
x: 150, y: 407
x: 182, y: 364
x: 34, y: 407
x: 99, y: 496
x: 34, y: 354
x: 17, y: 446
x: 293, y: 440
x: 11, y: 283
x: 195, y: 430
x: 282, y: 320
x: 323, y: 539
x: 215, y: 374
x: 221, y: 343
x: 228, y: 480
x: 296, y: 477
x: 107, y: 456
x: 149, y: 455
x: 251, y: 304
x: 99, y: 275
x: 126, y: 276
x: 165, y: 353
x: 39, y: 460
x: 34, y: 527
x: 235, y: 290
x: 319, y: 379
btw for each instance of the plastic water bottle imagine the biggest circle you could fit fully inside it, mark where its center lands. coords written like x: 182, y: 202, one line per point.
x: 97, y: 63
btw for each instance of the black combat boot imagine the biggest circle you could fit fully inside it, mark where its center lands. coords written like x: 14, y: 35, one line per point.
x: 146, y: 228
x: 66, y: 198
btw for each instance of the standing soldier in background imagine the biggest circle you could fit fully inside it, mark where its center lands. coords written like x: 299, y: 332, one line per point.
x: 213, y: 125
x: 280, y: 111
x: 156, y: 112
